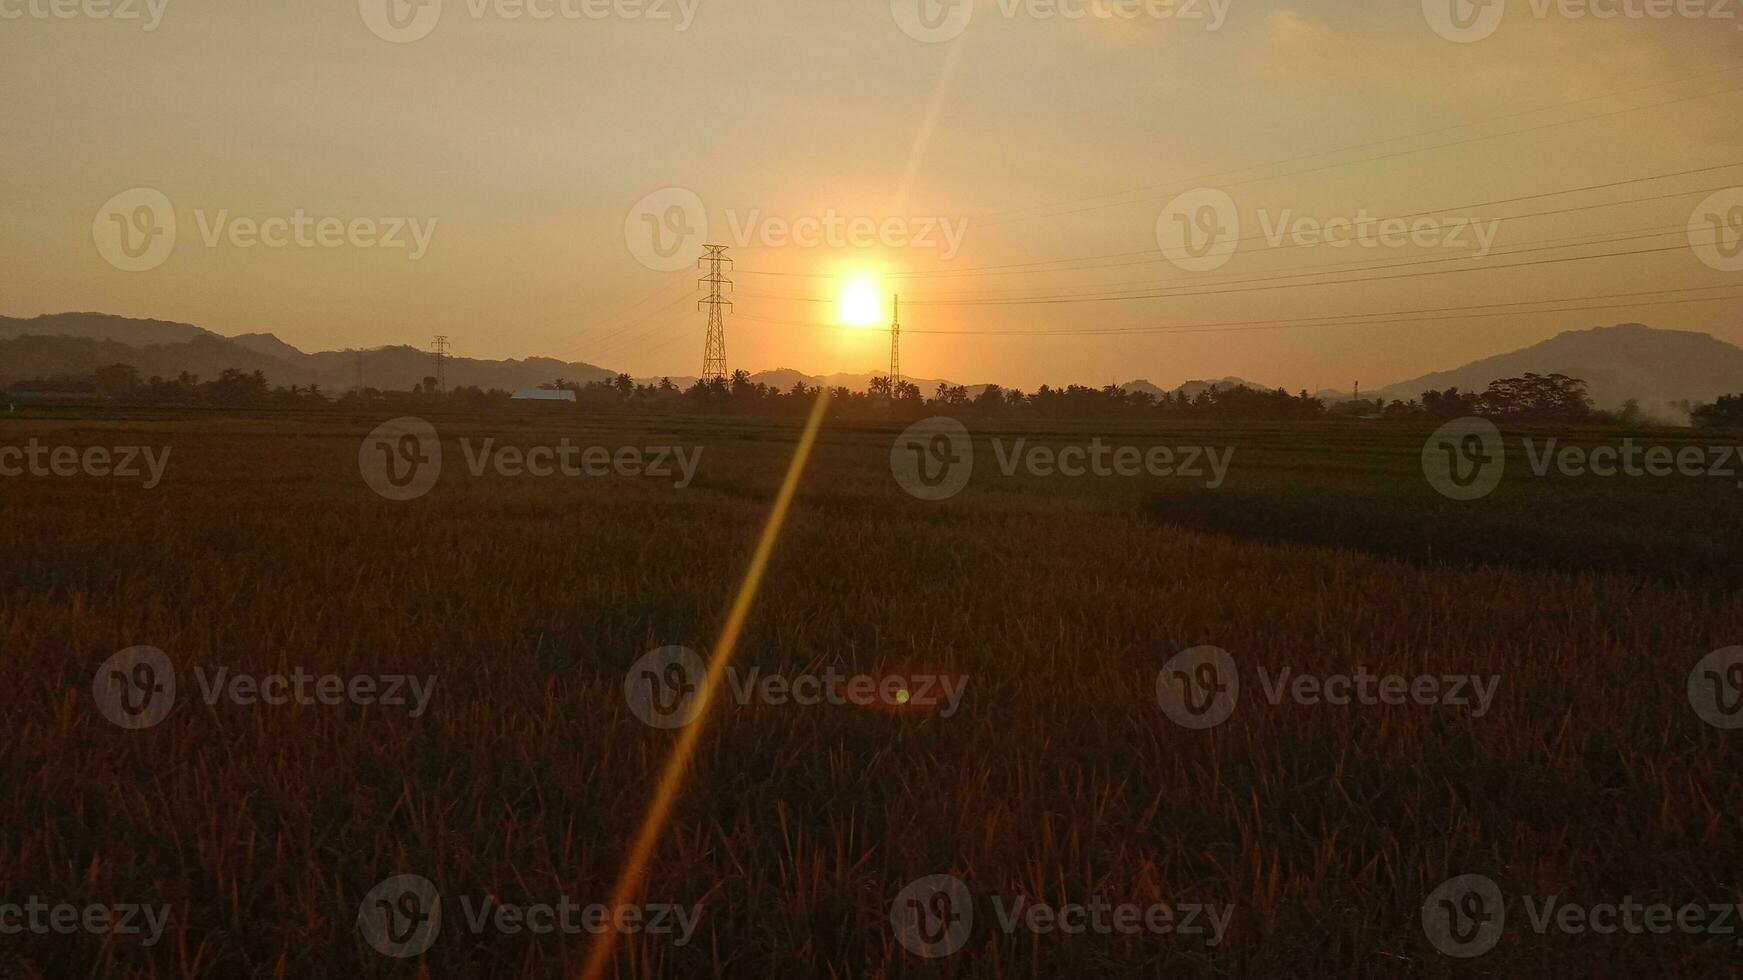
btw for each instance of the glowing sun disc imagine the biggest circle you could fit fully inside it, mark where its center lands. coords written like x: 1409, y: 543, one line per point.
x: 861, y: 303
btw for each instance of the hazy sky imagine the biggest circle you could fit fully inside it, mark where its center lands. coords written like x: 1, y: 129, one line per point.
x: 510, y: 158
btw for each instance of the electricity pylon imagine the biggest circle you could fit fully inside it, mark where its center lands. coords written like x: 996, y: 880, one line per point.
x: 896, y: 348
x: 714, y: 348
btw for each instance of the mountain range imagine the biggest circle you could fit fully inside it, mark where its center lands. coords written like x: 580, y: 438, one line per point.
x: 77, y: 343
x: 1657, y: 367
x: 1630, y: 360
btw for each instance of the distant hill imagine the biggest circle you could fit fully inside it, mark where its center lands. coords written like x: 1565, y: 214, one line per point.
x: 1618, y: 363
x: 23, y: 357
x: 76, y: 343
x: 102, y: 326
x: 1658, y: 367
x: 1192, y: 388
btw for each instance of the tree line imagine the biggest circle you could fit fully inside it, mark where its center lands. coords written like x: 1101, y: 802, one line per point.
x: 1531, y: 398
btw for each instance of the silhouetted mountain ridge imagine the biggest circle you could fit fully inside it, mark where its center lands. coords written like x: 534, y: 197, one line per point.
x: 76, y: 343
x: 1630, y: 360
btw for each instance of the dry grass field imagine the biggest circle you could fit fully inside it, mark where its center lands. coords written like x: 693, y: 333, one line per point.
x: 1060, y: 779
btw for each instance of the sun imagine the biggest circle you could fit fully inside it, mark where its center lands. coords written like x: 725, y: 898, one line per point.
x: 862, y: 303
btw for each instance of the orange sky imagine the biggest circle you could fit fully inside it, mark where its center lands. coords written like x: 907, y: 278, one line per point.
x: 511, y: 155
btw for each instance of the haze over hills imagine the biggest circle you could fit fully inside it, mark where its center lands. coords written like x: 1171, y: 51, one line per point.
x: 1657, y: 367
x: 1629, y: 360
x: 75, y: 343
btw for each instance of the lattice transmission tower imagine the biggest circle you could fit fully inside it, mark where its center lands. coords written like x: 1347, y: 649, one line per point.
x: 714, y: 348
x: 896, y: 348
x: 441, y: 345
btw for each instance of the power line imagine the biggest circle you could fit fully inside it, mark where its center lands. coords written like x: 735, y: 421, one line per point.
x: 1390, y: 156
x: 1628, y: 234
x: 1330, y: 320
x: 622, y: 319
x: 631, y: 330
x: 1358, y: 146
x: 1120, y: 297
x: 1571, y: 241
x: 1151, y: 255
x: 1304, y: 285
